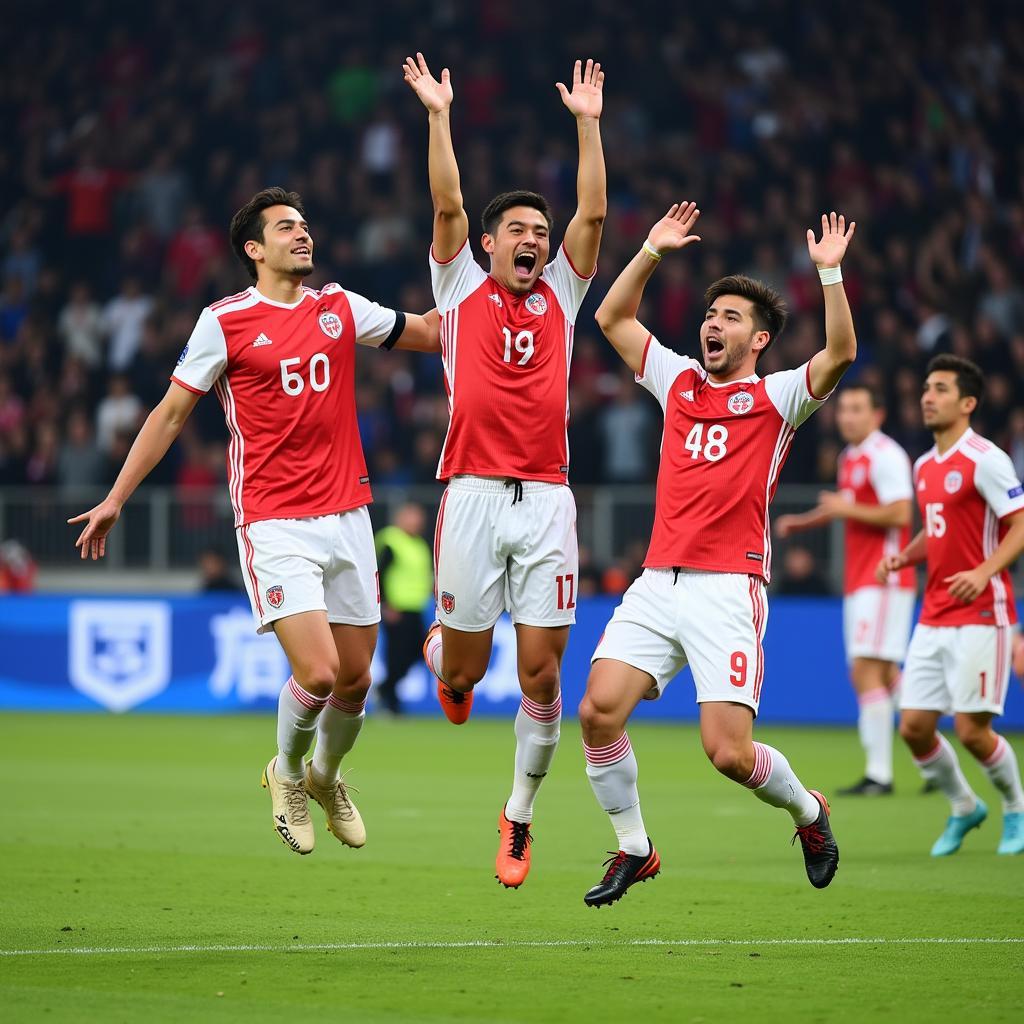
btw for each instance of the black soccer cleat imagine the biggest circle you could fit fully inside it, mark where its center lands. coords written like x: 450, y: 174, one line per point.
x: 867, y: 787
x: 624, y: 870
x: 821, y: 855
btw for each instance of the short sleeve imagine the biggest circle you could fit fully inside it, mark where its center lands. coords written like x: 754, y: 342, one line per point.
x: 375, y: 324
x: 569, y: 286
x: 790, y: 393
x: 997, y: 482
x: 204, y: 358
x: 660, y: 367
x: 890, y: 474
x: 455, y: 279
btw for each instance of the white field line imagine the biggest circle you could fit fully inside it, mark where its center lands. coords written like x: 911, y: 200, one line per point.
x: 512, y: 944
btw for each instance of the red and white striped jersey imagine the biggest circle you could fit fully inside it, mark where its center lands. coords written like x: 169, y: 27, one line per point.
x: 875, y: 472
x: 722, y: 449
x: 506, y: 369
x: 284, y: 375
x: 964, y: 496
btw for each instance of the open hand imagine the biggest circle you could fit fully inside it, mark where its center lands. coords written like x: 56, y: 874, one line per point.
x: 835, y: 237
x: 435, y: 96
x: 99, y: 521
x: 587, y: 97
x: 673, y: 230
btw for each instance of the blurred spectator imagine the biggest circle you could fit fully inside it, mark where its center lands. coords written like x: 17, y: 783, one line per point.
x: 625, y: 427
x: 193, y: 255
x: 117, y: 413
x: 800, y: 575
x: 216, y: 573
x: 80, y: 462
x: 123, y: 318
x: 81, y: 326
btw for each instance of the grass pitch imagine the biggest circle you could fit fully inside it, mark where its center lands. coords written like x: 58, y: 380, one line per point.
x: 146, y: 841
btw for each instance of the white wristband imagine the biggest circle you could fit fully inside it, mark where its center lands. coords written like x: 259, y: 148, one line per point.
x: 651, y: 251
x: 831, y: 275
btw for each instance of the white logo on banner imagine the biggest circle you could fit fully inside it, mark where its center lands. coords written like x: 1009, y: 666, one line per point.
x: 252, y: 665
x: 119, y: 652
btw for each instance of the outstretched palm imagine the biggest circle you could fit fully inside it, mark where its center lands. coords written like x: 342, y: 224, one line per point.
x: 435, y: 96
x: 587, y: 96
x: 673, y: 230
x: 835, y: 237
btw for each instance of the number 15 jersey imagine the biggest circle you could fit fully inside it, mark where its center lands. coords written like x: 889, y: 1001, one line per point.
x: 506, y: 369
x: 722, y: 450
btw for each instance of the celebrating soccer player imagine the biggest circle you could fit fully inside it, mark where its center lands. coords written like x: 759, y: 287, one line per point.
x: 972, y: 506
x: 507, y: 520
x: 701, y: 597
x: 280, y: 358
x: 873, y: 501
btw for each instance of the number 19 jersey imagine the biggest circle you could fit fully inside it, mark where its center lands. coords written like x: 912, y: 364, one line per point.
x: 506, y: 369
x: 722, y: 450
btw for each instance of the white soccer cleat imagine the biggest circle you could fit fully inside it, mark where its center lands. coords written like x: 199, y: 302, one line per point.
x: 343, y: 818
x: 291, y: 811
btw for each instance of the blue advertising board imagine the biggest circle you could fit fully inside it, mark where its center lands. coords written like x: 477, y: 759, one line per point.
x: 202, y: 655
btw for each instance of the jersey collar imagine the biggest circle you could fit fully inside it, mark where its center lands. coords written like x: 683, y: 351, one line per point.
x: 961, y: 441
x: 752, y: 379
x: 853, y: 450
x: 280, y: 305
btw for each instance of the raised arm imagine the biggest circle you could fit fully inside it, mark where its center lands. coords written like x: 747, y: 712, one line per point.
x: 585, y: 102
x: 162, y: 426
x: 840, y: 350
x: 451, y: 225
x: 616, y: 316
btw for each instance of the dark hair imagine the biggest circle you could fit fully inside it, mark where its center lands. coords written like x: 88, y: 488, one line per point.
x: 970, y: 381
x: 873, y: 396
x: 491, y: 217
x: 247, y: 225
x: 769, y: 312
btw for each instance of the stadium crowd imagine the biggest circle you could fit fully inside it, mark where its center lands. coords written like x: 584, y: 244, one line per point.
x: 130, y: 148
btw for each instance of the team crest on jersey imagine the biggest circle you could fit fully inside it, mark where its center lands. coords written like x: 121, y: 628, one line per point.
x: 330, y: 324
x: 740, y: 403
x: 181, y: 358
x: 954, y: 481
x: 447, y: 602
x: 275, y: 595
x: 537, y: 304
x: 496, y: 299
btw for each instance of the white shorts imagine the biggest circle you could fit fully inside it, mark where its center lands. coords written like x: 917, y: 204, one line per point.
x: 327, y: 563
x: 713, y: 621
x: 876, y: 623
x: 957, y: 669
x: 491, y: 555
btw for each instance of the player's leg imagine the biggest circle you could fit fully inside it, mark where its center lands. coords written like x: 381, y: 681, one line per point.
x: 983, y: 674
x: 872, y: 679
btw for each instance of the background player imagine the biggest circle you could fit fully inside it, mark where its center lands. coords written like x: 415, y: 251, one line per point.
x: 281, y: 359
x: 972, y: 505
x: 873, y: 500
x: 507, y: 521
x: 701, y: 598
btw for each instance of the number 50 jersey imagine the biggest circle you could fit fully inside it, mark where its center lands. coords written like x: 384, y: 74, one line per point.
x: 506, y: 369
x: 722, y: 450
x: 284, y: 374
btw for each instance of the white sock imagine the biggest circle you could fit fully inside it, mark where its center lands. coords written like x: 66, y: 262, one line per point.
x: 1001, y: 768
x: 297, y: 713
x: 537, y: 728
x: 336, y: 732
x: 942, y: 767
x: 875, y: 725
x: 775, y: 782
x: 434, y: 654
x: 612, y: 771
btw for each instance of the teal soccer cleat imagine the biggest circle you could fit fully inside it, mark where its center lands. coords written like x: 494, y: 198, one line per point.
x: 956, y: 828
x: 1013, y: 833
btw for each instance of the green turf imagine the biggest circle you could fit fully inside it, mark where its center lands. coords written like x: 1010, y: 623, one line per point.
x: 142, y: 832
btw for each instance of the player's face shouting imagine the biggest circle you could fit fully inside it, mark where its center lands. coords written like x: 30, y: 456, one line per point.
x: 287, y: 244
x: 519, y: 248
x: 729, y: 338
x: 941, y: 404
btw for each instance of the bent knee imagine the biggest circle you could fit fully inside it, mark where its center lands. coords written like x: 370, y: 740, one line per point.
x: 732, y: 761
x: 317, y: 678
x: 540, y: 683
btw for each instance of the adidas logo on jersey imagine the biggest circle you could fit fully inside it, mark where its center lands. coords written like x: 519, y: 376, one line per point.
x: 496, y: 299
x: 688, y: 395
x: 262, y: 340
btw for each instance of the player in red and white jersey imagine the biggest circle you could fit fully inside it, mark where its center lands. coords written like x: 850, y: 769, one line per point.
x: 506, y: 527
x: 280, y: 358
x: 874, y: 503
x: 972, y: 506
x: 701, y: 598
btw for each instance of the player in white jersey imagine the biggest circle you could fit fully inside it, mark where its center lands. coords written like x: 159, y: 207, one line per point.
x: 701, y: 599
x: 873, y: 501
x: 280, y: 358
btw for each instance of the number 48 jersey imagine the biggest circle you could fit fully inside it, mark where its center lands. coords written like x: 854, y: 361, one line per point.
x: 506, y: 369
x: 722, y: 449
x: 284, y: 375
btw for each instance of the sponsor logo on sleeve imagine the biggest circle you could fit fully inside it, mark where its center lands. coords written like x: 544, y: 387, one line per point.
x: 181, y: 358
x: 330, y: 324
x: 1015, y: 492
x: 537, y: 304
x: 740, y: 403
x: 275, y: 596
x: 954, y: 481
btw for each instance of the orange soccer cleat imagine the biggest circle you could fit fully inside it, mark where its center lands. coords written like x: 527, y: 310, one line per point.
x: 455, y: 705
x: 513, y: 861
